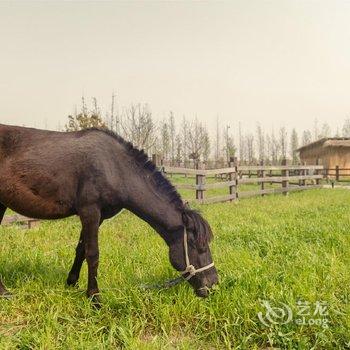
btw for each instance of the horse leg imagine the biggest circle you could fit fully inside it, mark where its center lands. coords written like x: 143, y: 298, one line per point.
x: 2, y: 211
x: 74, y: 273
x: 90, y: 218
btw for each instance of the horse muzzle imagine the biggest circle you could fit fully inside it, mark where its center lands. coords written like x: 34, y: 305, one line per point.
x: 210, y: 285
x: 202, y: 292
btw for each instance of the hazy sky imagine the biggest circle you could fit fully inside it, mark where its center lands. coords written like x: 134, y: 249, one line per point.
x: 276, y: 62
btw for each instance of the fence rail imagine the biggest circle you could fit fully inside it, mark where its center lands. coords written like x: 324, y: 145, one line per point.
x: 337, y: 173
x: 20, y: 219
x: 288, y: 177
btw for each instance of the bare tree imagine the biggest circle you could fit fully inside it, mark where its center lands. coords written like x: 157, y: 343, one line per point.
x: 337, y: 133
x: 217, y: 141
x: 283, y: 142
x: 206, y: 146
x: 138, y: 126
x: 184, y: 132
x: 269, y: 148
x: 241, y: 144
x: 178, y: 142
x: 275, y: 149
x: 325, y: 131
x: 229, y: 147
x: 96, y: 109
x: 172, y: 135
x: 260, y: 143
x: 294, y: 144
x: 346, y: 128
x: 196, y: 136
x: 114, y: 118
x: 165, y: 140
x: 306, y: 138
x: 179, y: 151
x: 249, y: 140
x: 84, y: 109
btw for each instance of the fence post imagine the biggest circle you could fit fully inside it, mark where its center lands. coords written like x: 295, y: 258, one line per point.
x: 285, y: 173
x: 233, y: 176
x: 300, y: 173
x: 262, y: 175
x: 200, y: 183
x: 337, y: 173
x: 270, y: 172
x: 317, y: 171
x: 236, y: 177
x: 185, y: 166
x: 304, y: 172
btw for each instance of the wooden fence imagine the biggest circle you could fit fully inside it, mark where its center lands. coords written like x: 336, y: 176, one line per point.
x: 338, y: 174
x: 20, y: 219
x: 234, y: 181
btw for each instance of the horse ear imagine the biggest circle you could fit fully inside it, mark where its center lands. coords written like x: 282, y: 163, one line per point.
x: 201, y: 229
x: 204, y: 234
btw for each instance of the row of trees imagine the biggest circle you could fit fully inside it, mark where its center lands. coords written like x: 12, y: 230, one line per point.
x: 189, y: 139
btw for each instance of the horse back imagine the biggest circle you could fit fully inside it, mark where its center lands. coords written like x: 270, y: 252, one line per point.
x: 42, y: 173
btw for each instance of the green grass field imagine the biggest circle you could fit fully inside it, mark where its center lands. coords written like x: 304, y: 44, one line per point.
x: 276, y: 248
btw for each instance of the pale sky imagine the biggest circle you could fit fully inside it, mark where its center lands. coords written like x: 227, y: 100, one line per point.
x: 274, y: 62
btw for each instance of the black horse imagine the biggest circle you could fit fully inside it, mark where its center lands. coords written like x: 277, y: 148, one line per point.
x: 95, y: 174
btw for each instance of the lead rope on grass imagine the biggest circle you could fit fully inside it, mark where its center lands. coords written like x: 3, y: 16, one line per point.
x: 190, y: 269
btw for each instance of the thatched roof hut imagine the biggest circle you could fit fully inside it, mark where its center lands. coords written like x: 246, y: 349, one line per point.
x: 329, y: 152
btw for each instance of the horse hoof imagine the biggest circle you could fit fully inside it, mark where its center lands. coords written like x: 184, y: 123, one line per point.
x: 72, y: 282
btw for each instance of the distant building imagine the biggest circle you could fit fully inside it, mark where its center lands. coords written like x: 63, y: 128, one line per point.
x: 328, y: 152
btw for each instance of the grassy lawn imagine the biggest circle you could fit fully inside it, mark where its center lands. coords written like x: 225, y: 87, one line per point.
x: 276, y: 249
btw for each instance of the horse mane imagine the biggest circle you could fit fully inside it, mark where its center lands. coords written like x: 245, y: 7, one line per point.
x: 192, y: 219
x: 201, y: 229
x: 142, y: 160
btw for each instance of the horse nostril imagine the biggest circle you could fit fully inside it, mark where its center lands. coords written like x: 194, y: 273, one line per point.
x: 202, y: 292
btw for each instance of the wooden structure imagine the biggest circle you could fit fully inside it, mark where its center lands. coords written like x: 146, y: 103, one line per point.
x: 22, y: 220
x: 284, y: 178
x: 337, y: 174
x: 330, y: 152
